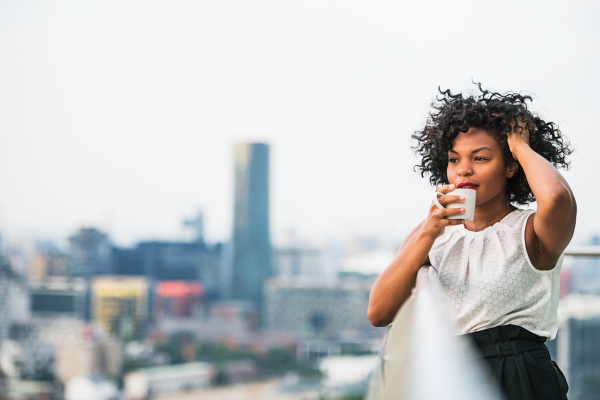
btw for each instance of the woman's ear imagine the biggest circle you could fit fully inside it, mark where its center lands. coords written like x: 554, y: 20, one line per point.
x: 512, y: 169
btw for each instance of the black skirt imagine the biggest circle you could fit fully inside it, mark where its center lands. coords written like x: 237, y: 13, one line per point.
x: 520, y: 363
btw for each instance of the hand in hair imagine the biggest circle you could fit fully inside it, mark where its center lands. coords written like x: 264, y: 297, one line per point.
x: 519, y: 135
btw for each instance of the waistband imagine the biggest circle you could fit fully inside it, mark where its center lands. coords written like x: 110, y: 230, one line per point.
x: 510, y: 349
x: 504, y: 341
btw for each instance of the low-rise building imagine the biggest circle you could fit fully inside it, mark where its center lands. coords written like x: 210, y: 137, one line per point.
x: 90, y: 357
x: 84, y: 387
x: 47, y: 264
x: 177, y: 299
x: 298, y: 262
x: 28, y: 390
x: 149, y: 382
x: 58, y: 297
x: 311, y: 309
x: 120, y: 304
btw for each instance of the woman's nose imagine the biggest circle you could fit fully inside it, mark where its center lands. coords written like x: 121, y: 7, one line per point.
x: 465, y: 170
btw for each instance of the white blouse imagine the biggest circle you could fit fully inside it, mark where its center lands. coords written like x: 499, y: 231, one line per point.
x: 488, y: 279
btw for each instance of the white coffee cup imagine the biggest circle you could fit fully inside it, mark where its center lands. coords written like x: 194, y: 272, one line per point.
x: 468, y: 204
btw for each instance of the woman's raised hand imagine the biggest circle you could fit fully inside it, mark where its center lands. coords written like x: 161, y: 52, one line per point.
x: 518, y: 136
x: 437, y: 221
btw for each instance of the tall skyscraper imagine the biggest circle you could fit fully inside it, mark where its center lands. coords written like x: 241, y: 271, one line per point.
x: 251, y: 244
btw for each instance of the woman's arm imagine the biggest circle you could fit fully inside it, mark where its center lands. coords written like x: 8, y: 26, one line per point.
x: 395, y: 284
x: 554, y: 221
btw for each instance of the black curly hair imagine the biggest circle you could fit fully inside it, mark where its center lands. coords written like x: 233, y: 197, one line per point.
x: 495, y: 113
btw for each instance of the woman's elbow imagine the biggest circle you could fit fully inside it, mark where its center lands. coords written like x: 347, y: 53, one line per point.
x: 563, y: 199
x: 376, y: 318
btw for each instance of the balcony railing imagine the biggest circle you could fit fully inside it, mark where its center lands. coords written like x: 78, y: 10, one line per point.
x: 583, y: 251
x: 423, y: 358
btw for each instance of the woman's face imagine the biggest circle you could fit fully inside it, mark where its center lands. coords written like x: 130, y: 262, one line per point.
x: 477, y: 158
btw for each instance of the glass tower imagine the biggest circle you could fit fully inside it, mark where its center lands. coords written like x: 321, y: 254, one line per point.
x: 251, y: 263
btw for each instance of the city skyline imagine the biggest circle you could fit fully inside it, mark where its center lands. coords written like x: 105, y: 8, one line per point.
x: 111, y: 122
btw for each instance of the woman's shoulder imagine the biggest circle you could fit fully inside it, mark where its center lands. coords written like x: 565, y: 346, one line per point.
x: 516, y: 218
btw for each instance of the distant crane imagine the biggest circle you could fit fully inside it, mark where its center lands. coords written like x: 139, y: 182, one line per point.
x: 196, y: 225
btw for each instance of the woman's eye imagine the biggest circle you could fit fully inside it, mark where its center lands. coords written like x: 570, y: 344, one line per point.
x: 479, y: 158
x: 451, y: 160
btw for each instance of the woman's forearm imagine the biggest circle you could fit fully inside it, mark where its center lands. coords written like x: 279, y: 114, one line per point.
x: 394, y: 286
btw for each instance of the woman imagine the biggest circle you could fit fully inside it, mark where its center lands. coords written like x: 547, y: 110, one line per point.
x: 500, y: 271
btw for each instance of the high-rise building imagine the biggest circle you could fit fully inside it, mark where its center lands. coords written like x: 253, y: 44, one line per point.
x: 251, y: 241
x: 90, y: 253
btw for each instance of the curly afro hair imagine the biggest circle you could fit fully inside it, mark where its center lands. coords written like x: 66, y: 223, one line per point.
x: 496, y: 114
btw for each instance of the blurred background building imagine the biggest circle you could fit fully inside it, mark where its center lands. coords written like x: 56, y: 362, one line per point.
x: 90, y: 253
x: 59, y: 297
x: 298, y: 262
x: 121, y: 304
x: 88, y: 356
x: 576, y: 348
x: 251, y: 239
x: 47, y: 264
x: 178, y: 299
x: 584, y: 277
x: 313, y: 309
x: 149, y: 382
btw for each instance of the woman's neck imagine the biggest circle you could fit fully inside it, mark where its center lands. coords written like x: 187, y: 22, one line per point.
x: 489, y: 213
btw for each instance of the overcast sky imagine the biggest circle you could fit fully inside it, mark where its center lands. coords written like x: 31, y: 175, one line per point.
x: 123, y: 114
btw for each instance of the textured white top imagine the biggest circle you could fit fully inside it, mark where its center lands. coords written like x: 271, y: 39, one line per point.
x: 489, y: 281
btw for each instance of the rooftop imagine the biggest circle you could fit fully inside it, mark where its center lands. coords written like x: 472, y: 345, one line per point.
x: 177, y: 371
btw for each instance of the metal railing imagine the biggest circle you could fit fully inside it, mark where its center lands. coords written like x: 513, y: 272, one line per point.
x: 583, y: 251
x: 422, y: 358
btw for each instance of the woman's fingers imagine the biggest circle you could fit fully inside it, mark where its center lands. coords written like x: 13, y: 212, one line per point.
x: 445, y: 188
x: 447, y: 199
x: 447, y: 212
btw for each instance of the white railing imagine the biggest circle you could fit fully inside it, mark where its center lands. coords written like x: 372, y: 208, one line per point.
x: 423, y: 358
x: 589, y: 251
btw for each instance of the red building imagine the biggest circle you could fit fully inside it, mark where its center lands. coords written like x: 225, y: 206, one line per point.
x: 178, y: 298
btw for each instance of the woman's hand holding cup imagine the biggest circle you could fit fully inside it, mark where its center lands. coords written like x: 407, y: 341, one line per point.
x: 437, y: 219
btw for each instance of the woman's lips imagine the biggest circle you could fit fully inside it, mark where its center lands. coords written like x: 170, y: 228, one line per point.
x: 467, y: 185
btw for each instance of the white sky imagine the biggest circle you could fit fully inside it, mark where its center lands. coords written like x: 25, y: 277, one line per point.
x: 123, y: 114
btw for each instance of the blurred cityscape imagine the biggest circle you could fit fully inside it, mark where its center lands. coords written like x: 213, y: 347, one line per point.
x: 243, y: 319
